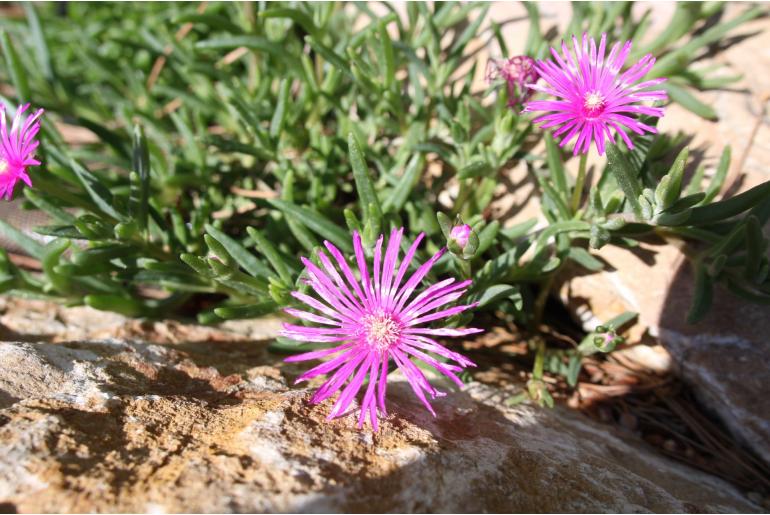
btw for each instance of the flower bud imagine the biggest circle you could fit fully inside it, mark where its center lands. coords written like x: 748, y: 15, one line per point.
x: 460, y: 234
x: 607, y: 339
x: 462, y: 241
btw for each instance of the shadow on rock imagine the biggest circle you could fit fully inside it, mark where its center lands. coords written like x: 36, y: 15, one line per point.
x: 724, y: 358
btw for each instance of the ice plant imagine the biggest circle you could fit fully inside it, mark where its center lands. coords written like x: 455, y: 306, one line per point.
x: 373, y: 319
x: 517, y: 72
x: 17, y: 148
x: 593, y: 97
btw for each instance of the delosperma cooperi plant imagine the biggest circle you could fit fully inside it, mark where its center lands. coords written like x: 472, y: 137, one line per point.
x: 308, y: 128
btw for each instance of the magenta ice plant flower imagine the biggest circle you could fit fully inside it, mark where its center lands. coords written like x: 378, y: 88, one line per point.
x: 17, y: 148
x: 373, y: 319
x: 593, y: 97
x: 517, y: 72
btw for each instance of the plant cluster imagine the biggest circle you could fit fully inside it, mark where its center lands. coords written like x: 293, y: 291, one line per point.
x: 235, y: 137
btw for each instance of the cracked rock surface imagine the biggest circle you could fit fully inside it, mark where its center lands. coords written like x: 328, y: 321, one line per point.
x: 112, y: 414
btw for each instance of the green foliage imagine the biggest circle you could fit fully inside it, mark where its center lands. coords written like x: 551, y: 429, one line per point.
x: 231, y: 138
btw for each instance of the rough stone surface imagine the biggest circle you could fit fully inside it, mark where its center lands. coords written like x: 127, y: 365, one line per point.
x: 724, y: 356
x: 167, y: 417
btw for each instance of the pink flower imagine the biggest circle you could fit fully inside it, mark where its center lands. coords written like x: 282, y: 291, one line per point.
x: 517, y: 72
x: 593, y: 96
x: 17, y: 149
x: 460, y: 234
x: 375, y: 320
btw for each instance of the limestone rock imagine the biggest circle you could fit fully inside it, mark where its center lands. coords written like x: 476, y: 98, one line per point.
x: 724, y: 356
x: 206, y: 421
x: 41, y: 320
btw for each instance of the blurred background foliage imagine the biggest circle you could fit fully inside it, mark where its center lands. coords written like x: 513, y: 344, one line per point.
x: 230, y: 138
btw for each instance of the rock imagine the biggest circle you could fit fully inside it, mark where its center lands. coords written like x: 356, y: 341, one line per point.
x: 207, y: 422
x: 43, y: 320
x: 724, y: 357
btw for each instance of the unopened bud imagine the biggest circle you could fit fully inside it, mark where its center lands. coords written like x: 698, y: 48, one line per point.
x: 607, y: 339
x: 460, y: 234
x: 462, y: 241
